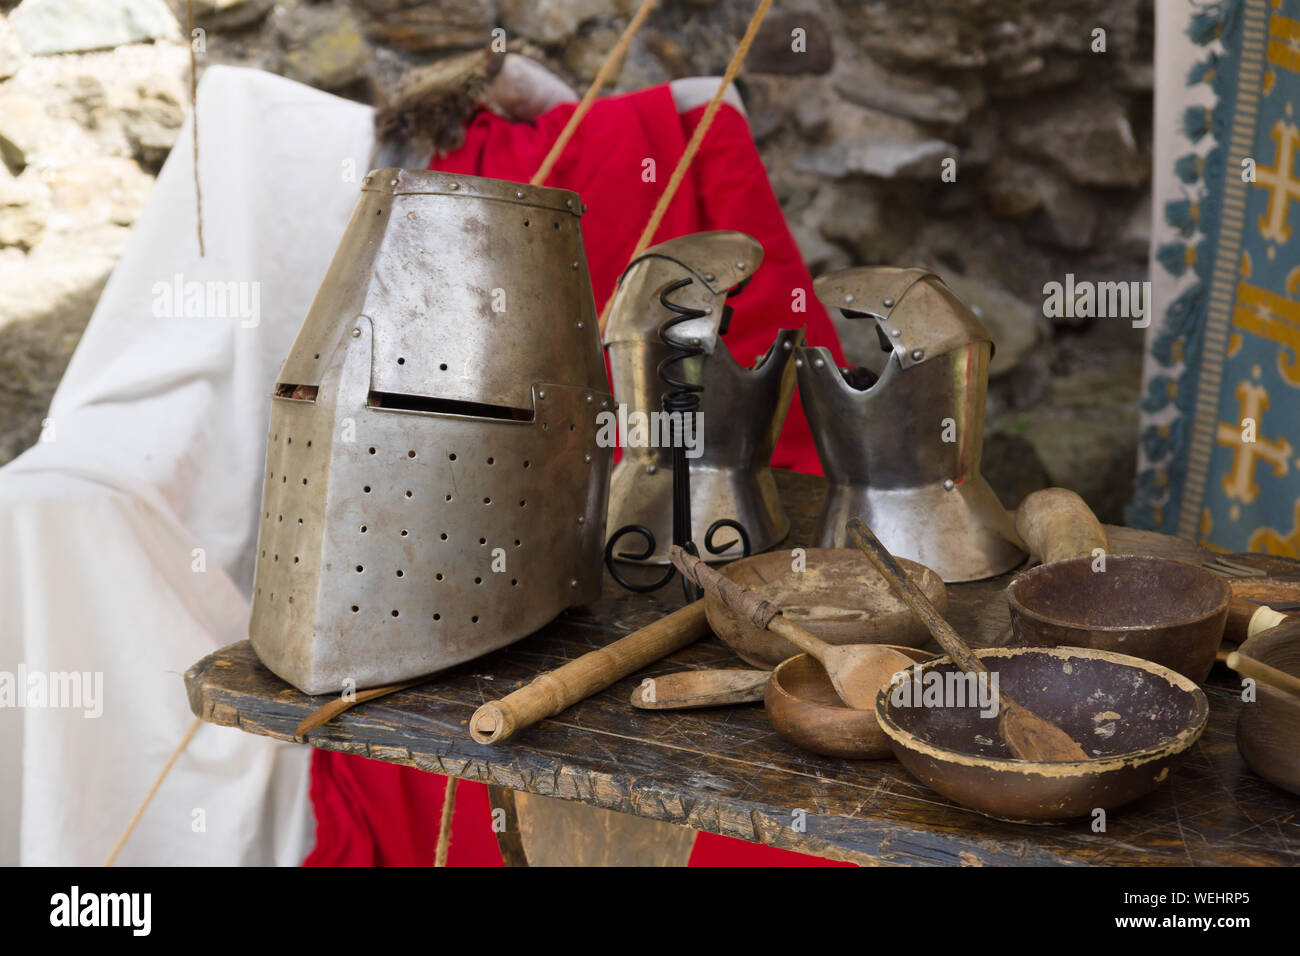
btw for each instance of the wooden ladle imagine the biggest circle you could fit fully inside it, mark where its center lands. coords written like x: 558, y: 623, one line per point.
x: 857, y: 671
x: 1028, y: 736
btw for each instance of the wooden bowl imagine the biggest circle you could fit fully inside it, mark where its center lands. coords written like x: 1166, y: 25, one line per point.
x: 1268, y: 728
x: 1158, y: 609
x: 1136, y: 716
x: 839, y: 596
x: 803, y: 707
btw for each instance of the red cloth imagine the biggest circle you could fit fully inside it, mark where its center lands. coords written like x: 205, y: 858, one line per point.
x: 372, y: 813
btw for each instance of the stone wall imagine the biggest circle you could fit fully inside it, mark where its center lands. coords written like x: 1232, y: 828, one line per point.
x: 1049, y: 137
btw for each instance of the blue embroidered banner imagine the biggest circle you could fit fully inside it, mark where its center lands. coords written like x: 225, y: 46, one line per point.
x: 1221, y: 404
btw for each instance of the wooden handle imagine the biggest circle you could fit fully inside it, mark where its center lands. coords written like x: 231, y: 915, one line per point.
x: 1056, y: 524
x: 1247, y: 596
x: 577, y: 680
x: 1249, y: 667
x: 745, y: 602
x: 906, y: 589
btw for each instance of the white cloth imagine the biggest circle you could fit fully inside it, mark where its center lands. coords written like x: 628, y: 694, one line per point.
x: 127, y: 538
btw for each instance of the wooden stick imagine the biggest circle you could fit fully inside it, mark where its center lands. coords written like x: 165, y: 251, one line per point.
x: 1277, y: 679
x: 148, y: 797
x: 602, y: 77
x: 577, y: 680
x: 693, y: 146
x: 444, y: 825
x: 328, y: 712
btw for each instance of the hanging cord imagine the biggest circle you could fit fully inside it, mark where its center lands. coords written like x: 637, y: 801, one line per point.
x: 148, y: 797
x: 602, y: 77
x: 693, y: 146
x: 444, y: 825
x: 194, y: 120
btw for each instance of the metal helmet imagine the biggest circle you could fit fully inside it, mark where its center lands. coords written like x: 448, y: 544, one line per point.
x: 903, y: 452
x: 686, y: 282
x: 434, y: 487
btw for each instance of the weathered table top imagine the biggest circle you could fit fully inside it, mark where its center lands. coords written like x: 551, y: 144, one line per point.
x: 726, y: 771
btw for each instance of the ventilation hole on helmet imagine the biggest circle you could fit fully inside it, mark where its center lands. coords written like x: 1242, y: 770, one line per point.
x: 474, y: 619
x: 527, y: 223
x: 482, y: 540
x: 487, y: 501
x: 395, y: 614
x: 401, y: 573
x: 379, y: 212
x: 452, y: 456
x: 289, y: 440
x: 263, y: 554
x: 360, y: 568
x: 555, y: 225
x: 280, y: 517
x: 308, y: 442
x: 478, y: 580
x: 284, y: 479
x: 266, y: 514
x: 572, y: 427
x: 277, y: 436
x: 443, y: 536
x: 259, y: 590
x: 300, y: 521
x: 316, y: 356
x: 272, y: 595
x: 408, y: 492
x: 437, y: 617
x: 492, y: 461
x: 295, y: 559
x: 366, y: 489
x: 527, y: 463
x: 363, y: 529
x: 523, y: 503
x: 401, y: 361
x: 518, y: 542
x: 514, y: 582
x: 372, y: 449
x: 355, y: 609
x: 410, y: 454
x: 442, y: 367
x: 277, y: 557
x: 449, y: 497
x: 304, y: 481
x: 405, y: 532
x: 438, y: 576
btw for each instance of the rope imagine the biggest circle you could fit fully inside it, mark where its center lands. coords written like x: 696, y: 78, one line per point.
x: 444, y: 826
x: 185, y: 742
x: 693, y: 146
x: 602, y: 77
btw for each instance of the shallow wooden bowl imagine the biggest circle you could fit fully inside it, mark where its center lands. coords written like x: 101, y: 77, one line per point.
x: 839, y: 597
x: 1136, y: 717
x: 1158, y: 609
x: 803, y: 707
x: 1268, y: 730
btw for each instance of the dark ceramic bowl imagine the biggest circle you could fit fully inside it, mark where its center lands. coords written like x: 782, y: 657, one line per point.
x: 1269, y: 727
x: 1158, y: 609
x: 1136, y: 717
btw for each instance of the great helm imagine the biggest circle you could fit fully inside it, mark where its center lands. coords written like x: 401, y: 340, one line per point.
x: 903, y: 452
x: 686, y: 282
x: 434, y: 488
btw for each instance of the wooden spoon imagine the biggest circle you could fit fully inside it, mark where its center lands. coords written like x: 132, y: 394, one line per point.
x: 857, y: 671
x: 686, y: 690
x: 1056, y: 524
x: 1028, y: 736
x: 1279, y: 679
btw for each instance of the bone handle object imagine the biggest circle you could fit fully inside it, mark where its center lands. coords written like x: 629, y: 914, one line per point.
x: 577, y: 680
x: 1056, y: 524
x: 753, y: 607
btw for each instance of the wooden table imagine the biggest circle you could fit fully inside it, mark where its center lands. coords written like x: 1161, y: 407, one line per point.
x: 725, y: 770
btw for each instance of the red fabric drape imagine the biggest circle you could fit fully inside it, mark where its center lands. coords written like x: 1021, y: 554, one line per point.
x: 619, y: 161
